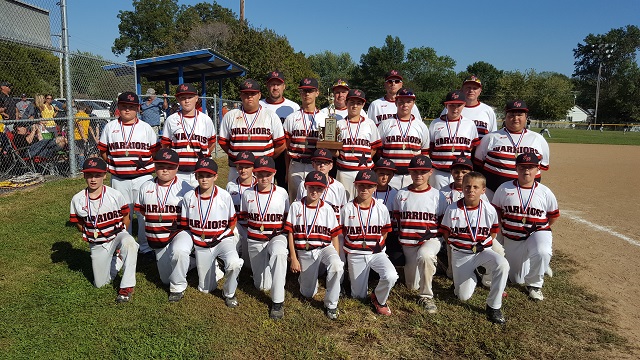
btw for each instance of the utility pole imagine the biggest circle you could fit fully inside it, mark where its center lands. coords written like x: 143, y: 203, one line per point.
x: 242, y: 11
x: 602, y: 52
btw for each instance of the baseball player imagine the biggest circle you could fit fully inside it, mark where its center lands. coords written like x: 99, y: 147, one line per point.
x: 497, y: 152
x: 252, y: 128
x: 160, y: 202
x: 360, y: 139
x: 469, y: 226
x: 482, y: 114
x: 283, y: 107
x: 385, y: 107
x: 340, y: 90
x: 418, y: 209
x: 245, y: 180
x: 209, y: 216
x: 386, y: 194
x: 313, y: 230
x: 101, y: 214
x: 450, y: 134
x: 301, y: 132
x: 189, y: 132
x: 265, y: 208
x: 365, y: 225
x: 527, y: 209
x: 127, y: 145
x: 403, y: 137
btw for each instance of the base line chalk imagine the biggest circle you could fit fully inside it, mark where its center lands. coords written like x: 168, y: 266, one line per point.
x: 573, y: 216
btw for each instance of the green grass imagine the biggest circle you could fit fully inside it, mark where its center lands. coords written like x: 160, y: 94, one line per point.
x: 577, y: 136
x: 49, y: 309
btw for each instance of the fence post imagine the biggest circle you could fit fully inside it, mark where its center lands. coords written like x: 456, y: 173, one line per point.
x: 68, y: 90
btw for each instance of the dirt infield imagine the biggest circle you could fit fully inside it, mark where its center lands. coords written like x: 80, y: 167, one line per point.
x: 595, y: 187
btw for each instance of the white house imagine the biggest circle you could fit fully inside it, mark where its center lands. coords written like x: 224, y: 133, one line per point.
x: 578, y: 114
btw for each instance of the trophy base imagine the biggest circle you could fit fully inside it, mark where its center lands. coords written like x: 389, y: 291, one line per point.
x: 331, y: 145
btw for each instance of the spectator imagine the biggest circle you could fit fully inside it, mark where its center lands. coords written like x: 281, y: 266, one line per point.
x: 81, y: 133
x: 47, y: 148
x: 48, y: 111
x: 7, y: 103
x: 22, y: 106
x: 152, y: 108
x: 23, y: 138
x: 225, y: 109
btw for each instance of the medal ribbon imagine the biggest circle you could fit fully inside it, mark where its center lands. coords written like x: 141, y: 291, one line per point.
x: 452, y: 137
x: 255, y: 118
x: 406, y: 132
x: 515, y: 145
x: 308, y: 228
x: 353, y: 138
x: 525, y: 206
x: 195, y: 120
x: 312, y: 122
x: 362, y: 226
x: 206, y: 215
x: 260, y: 212
x: 94, y: 222
x: 386, y: 194
x: 162, y: 203
x: 474, y: 232
x: 127, y: 140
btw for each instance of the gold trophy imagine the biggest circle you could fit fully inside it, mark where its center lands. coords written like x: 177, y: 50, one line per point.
x: 329, y: 135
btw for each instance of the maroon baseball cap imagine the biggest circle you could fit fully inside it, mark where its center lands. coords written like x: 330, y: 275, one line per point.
x: 366, y: 177
x: 516, y: 105
x: 186, y: 89
x: 455, y: 97
x: 527, y: 159
x: 383, y: 163
x: 249, y: 85
x: 264, y: 163
x: 94, y: 165
x: 245, y: 157
x: 308, y: 83
x: 420, y: 162
x: 472, y: 80
x: 167, y: 156
x: 207, y: 165
x: 406, y: 93
x: 393, y: 74
x: 357, y: 94
x: 315, y: 178
x: 462, y: 160
x: 322, y: 154
x: 275, y: 75
x: 128, y: 97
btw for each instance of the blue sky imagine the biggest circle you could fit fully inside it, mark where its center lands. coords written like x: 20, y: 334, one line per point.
x: 511, y: 35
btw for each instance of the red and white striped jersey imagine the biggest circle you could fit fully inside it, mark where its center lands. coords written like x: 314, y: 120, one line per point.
x: 301, y: 129
x: 161, y: 207
x: 452, y: 194
x: 449, y: 139
x: 319, y: 233
x: 101, y: 219
x: 128, y: 148
x: 259, y: 132
x: 334, y: 195
x: 190, y: 137
x: 515, y: 207
x: 403, y: 140
x: 209, y: 219
x: 462, y: 226
x: 363, y: 228
x: 282, y: 109
x: 358, y: 139
x: 235, y: 189
x: 417, y: 213
x: 264, y: 212
x: 482, y: 115
x: 382, y: 109
x: 497, y: 154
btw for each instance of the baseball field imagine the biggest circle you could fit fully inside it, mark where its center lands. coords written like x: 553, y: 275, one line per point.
x: 49, y: 309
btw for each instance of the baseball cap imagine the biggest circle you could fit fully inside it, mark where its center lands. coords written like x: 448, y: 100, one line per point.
x: 249, y: 85
x: 406, y: 93
x: 308, y: 83
x: 186, y: 89
x: 366, y: 177
x: 95, y: 165
x: 473, y: 79
x: 128, y: 97
x: 356, y: 93
x: 383, y: 163
x: 455, y: 97
x: 315, y: 178
x: 24, y: 95
x: 264, y: 163
x: 420, y: 162
x: 151, y: 92
x: 6, y: 83
x: 207, y: 165
x: 322, y: 154
x: 462, y: 161
x: 527, y: 159
x: 516, y: 105
x: 340, y: 83
x: 275, y: 75
x: 393, y: 74
x: 245, y: 157
x: 167, y: 156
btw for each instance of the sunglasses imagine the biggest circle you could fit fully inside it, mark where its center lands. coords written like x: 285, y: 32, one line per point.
x: 393, y: 81
x: 49, y: 98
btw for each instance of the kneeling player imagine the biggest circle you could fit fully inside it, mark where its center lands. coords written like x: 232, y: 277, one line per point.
x: 160, y: 201
x: 470, y: 225
x: 313, y: 242
x: 101, y: 214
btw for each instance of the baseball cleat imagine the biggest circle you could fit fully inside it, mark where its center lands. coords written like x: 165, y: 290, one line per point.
x: 535, y: 293
x: 380, y: 309
x: 176, y: 296
x: 495, y: 315
x: 549, y: 272
x: 231, y: 302
x: 124, y: 295
x: 277, y: 311
x: 332, y: 313
x: 428, y: 304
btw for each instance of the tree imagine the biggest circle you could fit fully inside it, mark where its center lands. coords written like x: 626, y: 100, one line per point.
x: 369, y: 75
x: 489, y: 75
x: 330, y: 66
x: 31, y: 71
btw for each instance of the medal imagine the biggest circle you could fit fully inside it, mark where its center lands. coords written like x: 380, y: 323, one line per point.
x: 163, y: 202
x: 365, y: 227
x: 354, y: 137
x: 246, y: 122
x: 364, y: 244
x: 127, y: 140
x: 474, y: 249
x: 451, y: 137
x: 306, y: 246
x: 263, y: 213
x: 203, y: 219
x: 95, y: 234
x: 524, y: 220
x: 524, y: 207
x: 516, y: 154
x: 203, y: 236
x: 184, y: 130
x: 189, y: 148
x: 94, y: 222
x: 160, y: 217
x: 404, y: 146
x: 126, y: 153
x: 473, y: 231
x: 515, y: 145
x: 261, y: 228
x: 249, y: 137
x: 404, y: 134
x: 308, y: 228
x: 453, y: 149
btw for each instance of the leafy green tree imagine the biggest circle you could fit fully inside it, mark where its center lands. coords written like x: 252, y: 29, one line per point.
x: 31, y: 71
x: 330, y: 66
x: 489, y: 75
x: 369, y: 75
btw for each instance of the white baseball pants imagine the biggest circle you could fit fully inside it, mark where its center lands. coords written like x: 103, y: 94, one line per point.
x: 440, y: 179
x: 400, y: 181
x: 311, y: 262
x: 464, y: 277
x: 206, y: 264
x: 105, y: 266
x: 174, y: 261
x: 529, y: 259
x: 129, y: 189
x: 347, y: 178
x: 269, y: 265
x: 297, y: 172
x: 359, y: 266
x: 420, y: 266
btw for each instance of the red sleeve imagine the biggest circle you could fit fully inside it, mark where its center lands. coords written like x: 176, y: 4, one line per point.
x: 222, y: 141
x: 553, y: 214
x: 475, y: 142
x: 386, y: 229
x: 165, y: 141
x: 233, y: 220
x: 336, y: 231
x: 139, y: 208
x: 279, y: 140
x: 242, y: 215
x: 102, y: 146
x: 124, y: 210
x: 288, y: 227
x: 376, y: 144
x: 73, y: 218
x: 212, y: 140
x: 494, y: 229
x: 444, y: 230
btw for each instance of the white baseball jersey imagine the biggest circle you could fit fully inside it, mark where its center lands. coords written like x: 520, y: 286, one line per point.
x: 363, y: 228
x: 259, y: 132
x: 452, y: 194
x: 382, y: 109
x: 282, y: 109
x: 161, y: 207
x: 387, y: 197
x: 190, y: 137
x: 334, y: 195
x: 128, y: 148
x: 418, y: 212
x: 101, y: 219
x: 516, y: 204
x: 209, y: 219
x: 469, y: 226
x: 498, y: 151
x: 482, y: 115
x: 301, y: 129
x: 315, y: 226
x: 403, y: 140
x: 358, y: 139
x: 264, y: 212
x: 343, y: 113
x: 449, y: 139
x: 235, y: 189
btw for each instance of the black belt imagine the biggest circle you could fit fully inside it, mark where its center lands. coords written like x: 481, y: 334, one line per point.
x: 302, y: 160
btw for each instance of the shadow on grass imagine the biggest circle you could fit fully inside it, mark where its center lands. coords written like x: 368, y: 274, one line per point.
x: 76, y: 259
